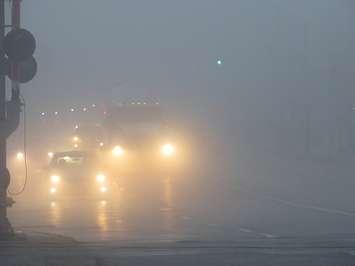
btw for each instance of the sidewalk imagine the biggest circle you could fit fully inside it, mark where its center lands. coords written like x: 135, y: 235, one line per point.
x: 54, y: 250
x: 36, y: 248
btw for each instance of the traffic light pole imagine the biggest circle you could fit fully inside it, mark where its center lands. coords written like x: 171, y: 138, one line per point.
x: 18, y: 63
x: 15, y: 23
x: 5, y: 227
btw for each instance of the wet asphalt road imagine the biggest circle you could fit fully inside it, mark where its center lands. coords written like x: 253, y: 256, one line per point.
x: 189, y: 208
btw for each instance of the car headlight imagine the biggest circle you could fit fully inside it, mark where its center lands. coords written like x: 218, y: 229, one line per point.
x: 55, y: 179
x: 117, y: 151
x: 20, y: 156
x: 167, y: 149
x: 100, y: 178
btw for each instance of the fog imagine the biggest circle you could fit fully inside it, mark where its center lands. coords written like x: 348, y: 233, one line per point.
x: 274, y: 118
x: 277, y: 55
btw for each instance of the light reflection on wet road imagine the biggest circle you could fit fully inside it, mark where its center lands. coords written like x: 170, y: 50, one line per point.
x: 174, y: 208
x: 159, y: 209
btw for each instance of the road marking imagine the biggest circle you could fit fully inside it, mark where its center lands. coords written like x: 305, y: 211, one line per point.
x: 245, y: 230
x: 267, y: 235
x: 249, y: 231
x: 314, y: 207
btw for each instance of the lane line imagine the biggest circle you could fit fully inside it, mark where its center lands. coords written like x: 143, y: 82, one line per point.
x: 267, y: 235
x: 245, y: 230
x: 249, y: 231
x: 314, y: 207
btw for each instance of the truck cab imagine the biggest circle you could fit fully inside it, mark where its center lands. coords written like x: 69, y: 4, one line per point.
x: 139, y: 137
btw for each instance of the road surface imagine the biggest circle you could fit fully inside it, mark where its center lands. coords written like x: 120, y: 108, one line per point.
x: 187, y: 208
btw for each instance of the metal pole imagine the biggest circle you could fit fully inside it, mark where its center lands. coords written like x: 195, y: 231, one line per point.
x: 15, y: 22
x: 5, y: 227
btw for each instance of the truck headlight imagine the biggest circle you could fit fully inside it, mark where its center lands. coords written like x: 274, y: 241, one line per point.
x: 167, y: 150
x: 55, y: 179
x: 100, y: 178
x: 117, y: 151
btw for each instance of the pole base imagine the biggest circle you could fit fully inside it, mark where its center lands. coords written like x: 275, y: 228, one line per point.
x: 6, y: 230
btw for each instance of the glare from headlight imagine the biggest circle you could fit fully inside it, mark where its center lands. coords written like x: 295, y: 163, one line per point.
x: 100, y: 178
x: 55, y: 179
x: 168, y: 149
x: 117, y: 151
x: 75, y: 138
x: 50, y: 154
x: 20, y: 156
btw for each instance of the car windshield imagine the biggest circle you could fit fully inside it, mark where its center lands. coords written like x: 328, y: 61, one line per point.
x: 204, y: 121
x: 68, y: 160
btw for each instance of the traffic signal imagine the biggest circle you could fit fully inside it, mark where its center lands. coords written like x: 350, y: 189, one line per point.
x: 19, y: 46
x: 25, y: 72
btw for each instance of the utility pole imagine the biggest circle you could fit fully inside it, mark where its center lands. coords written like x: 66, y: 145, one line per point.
x: 17, y: 62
